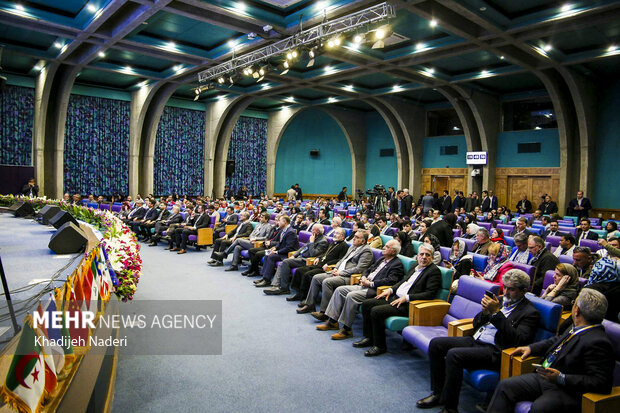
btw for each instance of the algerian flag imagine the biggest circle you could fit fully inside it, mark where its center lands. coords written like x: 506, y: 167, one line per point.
x: 25, y: 381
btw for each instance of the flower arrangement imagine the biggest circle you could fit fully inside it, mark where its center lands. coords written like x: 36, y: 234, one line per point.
x: 119, y: 241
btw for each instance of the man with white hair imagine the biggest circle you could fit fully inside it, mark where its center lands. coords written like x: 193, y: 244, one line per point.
x: 507, y: 321
x: 422, y: 283
x: 387, y: 270
x: 567, y: 371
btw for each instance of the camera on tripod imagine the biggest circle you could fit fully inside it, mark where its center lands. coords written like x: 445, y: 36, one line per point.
x: 377, y: 190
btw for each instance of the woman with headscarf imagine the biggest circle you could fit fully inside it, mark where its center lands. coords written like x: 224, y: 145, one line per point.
x: 565, y: 286
x: 465, y: 221
x: 497, y: 265
x: 406, y: 247
x: 611, y: 229
x: 497, y: 235
x: 472, y: 229
x: 434, y: 241
x: 455, y: 261
x: 605, y: 278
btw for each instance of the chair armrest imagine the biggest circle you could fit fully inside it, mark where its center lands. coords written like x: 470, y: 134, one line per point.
x: 310, y: 260
x: 461, y: 328
x: 430, y: 314
x: 228, y: 228
x: 563, y: 317
x: 258, y: 244
x: 382, y: 288
x: 330, y: 267
x: 290, y: 254
x: 412, y: 305
x: 355, y: 279
x: 601, y: 403
x: 204, y: 236
x: 520, y: 366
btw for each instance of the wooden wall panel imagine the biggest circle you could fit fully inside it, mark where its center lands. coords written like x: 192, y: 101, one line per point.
x: 512, y: 183
x: 456, y: 179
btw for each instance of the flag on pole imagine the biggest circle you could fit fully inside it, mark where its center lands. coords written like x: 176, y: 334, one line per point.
x: 24, y: 386
x: 105, y: 288
x: 64, y: 331
x: 53, y: 334
x: 115, y: 282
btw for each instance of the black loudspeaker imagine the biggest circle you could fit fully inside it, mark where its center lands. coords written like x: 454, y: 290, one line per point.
x: 69, y: 239
x: 21, y: 209
x: 315, y: 153
x: 47, y: 213
x: 61, y: 218
x: 230, y: 168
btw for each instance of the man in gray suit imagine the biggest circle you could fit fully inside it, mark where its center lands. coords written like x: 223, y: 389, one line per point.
x: 343, y: 306
x: 262, y: 231
x: 316, y: 246
x: 357, y: 259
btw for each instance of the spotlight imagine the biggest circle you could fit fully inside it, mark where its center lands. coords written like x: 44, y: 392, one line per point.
x: 433, y: 23
x: 358, y: 39
x: 380, y: 34
x: 221, y: 80
x: 286, y: 67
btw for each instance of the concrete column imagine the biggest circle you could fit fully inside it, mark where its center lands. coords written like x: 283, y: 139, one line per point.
x: 412, y: 120
x: 354, y: 127
x: 140, y: 100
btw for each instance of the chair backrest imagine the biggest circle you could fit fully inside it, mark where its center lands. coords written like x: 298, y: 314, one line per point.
x: 550, y: 313
x: 535, y: 231
x: 446, y: 282
x: 571, y: 218
x: 548, y: 280
x: 116, y: 208
x: 553, y: 240
x: 456, y: 233
x: 568, y: 230
x: 376, y: 254
x: 566, y: 223
x: 565, y: 259
x: 613, y: 332
x: 254, y: 223
x: 506, y: 228
x: 304, y: 237
x: 595, y: 221
x: 528, y: 269
x: 273, y: 216
x: 601, y: 232
x: 466, y: 302
x: 385, y: 239
x: 407, y: 262
x: 479, y: 261
x: 485, y: 225
x: 104, y: 206
x: 348, y: 231
x: 416, y: 245
x: 510, y: 241
x: 445, y: 252
x: 469, y: 242
x: 593, y: 245
x: 93, y: 205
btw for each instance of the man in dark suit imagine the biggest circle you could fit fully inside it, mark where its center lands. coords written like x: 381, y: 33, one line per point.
x: 446, y: 202
x: 524, y: 206
x: 286, y: 242
x: 243, y: 230
x: 202, y: 220
x: 579, y: 206
x: 396, y: 203
x: 228, y: 193
x: 520, y: 227
x: 543, y: 261
x: 458, y: 202
x: 548, y: 207
x: 584, y: 231
x: 230, y: 219
x: 150, y: 214
x: 144, y: 229
x: 579, y: 361
x: 553, y: 230
x: 30, y: 189
x: 501, y: 324
x: 421, y: 283
x: 485, y: 205
x: 494, y: 201
x: 342, y: 308
x: 442, y: 229
x: 136, y: 213
x: 303, y: 276
x: 160, y: 226
x: 316, y: 246
x: 300, y: 195
x: 407, y: 203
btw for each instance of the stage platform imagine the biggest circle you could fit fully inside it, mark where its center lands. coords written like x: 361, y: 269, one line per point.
x: 30, y: 266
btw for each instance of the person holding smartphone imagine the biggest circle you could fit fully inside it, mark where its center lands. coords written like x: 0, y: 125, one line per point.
x: 504, y: 322
x: 579, y: 361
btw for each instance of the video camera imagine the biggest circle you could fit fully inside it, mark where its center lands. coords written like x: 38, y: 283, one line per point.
x: 378, y: 190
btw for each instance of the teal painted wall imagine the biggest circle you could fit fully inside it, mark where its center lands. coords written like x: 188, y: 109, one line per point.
x: 327, y: 174
x: 548, y: 157
x: 431, y: 157
x: 379, y: 171
x: 606, y: 171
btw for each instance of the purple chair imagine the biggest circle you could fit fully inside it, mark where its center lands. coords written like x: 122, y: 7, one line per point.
x: 479, y: 261
x: 469, y: 242
x: 595, y: 221
x: 376, y: 254
x: 548, y: 280
x: 506, y: 228
x: 485, y: 225
x: 566, y: 223
x: 553, y: 240
x: 456, y: 232
x: 116, y: 208
x: 535, y: 231
x: 304, y: 237
x: 510, y: 241
x: 466, y: 304
x: 445, y: 253
x: 565, y: 259
x: 593, y: 245
x: 104, y: 206
x: 568, y: 230
x: 530, y: 270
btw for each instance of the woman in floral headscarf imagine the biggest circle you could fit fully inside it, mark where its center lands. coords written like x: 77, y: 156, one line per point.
x: 565, y: 286
x: 497, y: 264
x: 605, y: 278
x: 455, y: 261
x: 434, y: 241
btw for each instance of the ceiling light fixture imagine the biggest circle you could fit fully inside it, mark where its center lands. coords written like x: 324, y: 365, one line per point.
x: 502, y: 57
x: 221, y: 80
x: 547, y: 47
x: 612, y: 48
x: 566, y: 7
x: 91, y: 8
x: 101, y: 54
x: 433, y: 23
x: 57, y: 45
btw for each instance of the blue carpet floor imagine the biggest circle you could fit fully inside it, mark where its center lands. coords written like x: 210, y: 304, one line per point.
x: 273, y: 359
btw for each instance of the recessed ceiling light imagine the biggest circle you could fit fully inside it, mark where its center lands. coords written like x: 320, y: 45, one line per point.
x: 57, y: 45
x: 101, y: 54
x: 547, y: 47
x: 419, y: 46
x: 332, y: 99
x: 483, y: 8
x: 484, y: 72
x: 91, y: 8
x: 37, y: 67
x: 232, y: 43
x: 241, y: 6
x: 538, y: 128
x: 357, y: 39
x: 431, y: 70
x: 612, y: 48
x: 20, y: 7
x: 128, y: 69
x: 566, y: 7
x: 433, y: 23
x: 321, y: 5
x: 380, y: 34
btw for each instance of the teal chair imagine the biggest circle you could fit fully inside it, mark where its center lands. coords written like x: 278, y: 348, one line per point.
x: 399, y: 323
x: 416, y: 245
x: 601, y: 232
x: 254, y: 224
x: 575, y: 219
x: 386, y: 238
